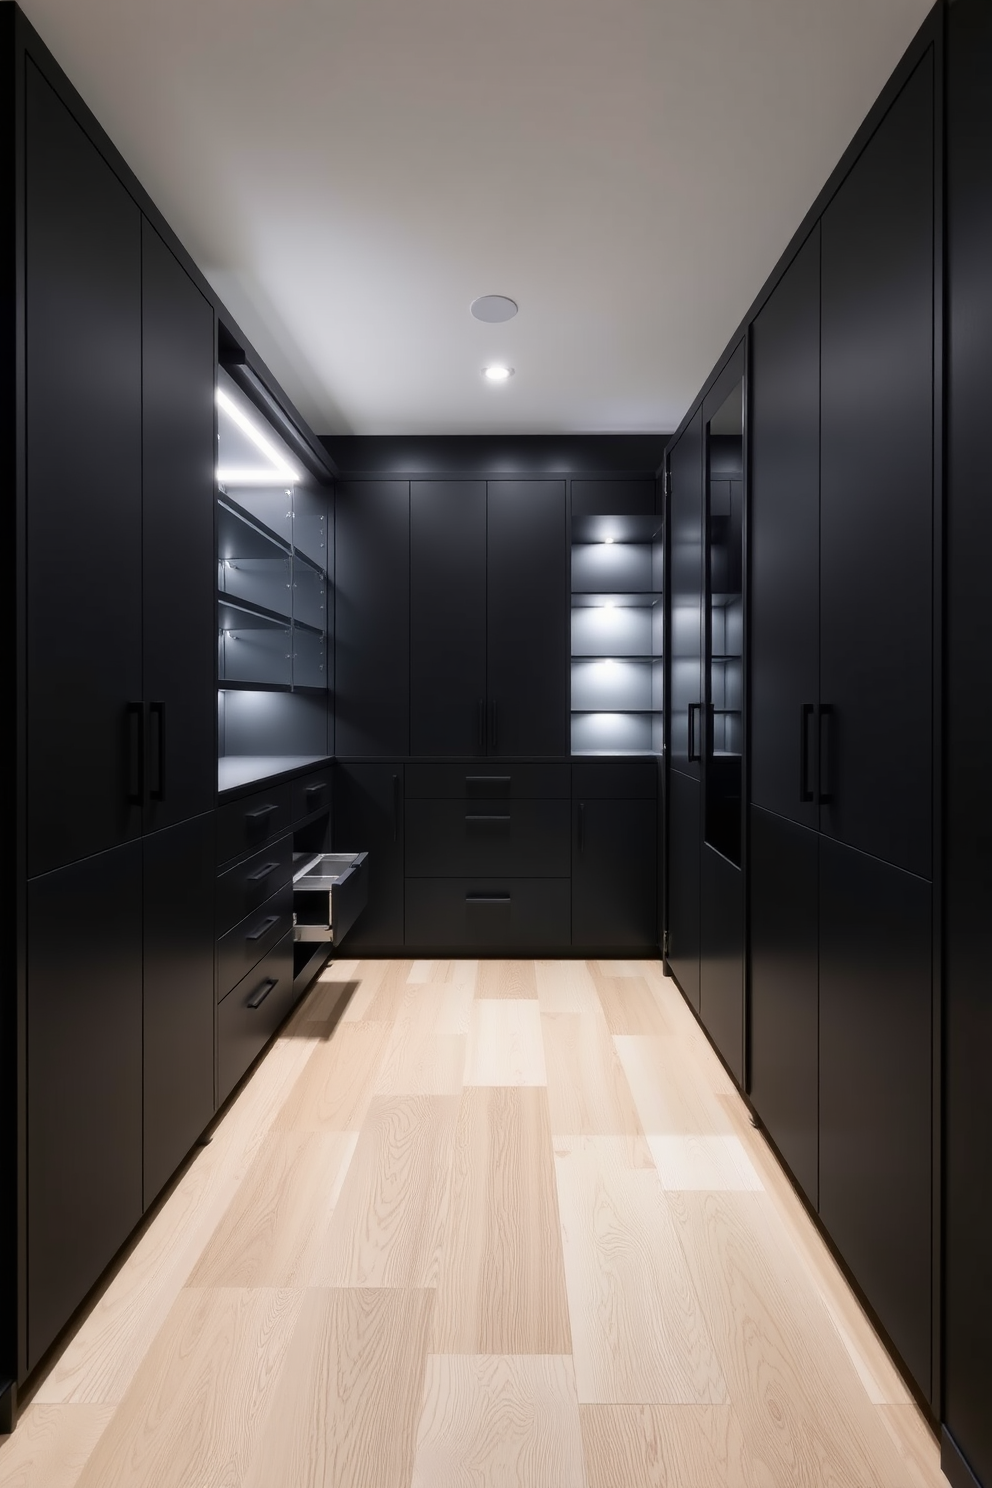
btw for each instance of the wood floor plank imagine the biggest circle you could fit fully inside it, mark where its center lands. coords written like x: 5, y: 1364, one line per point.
x: 505, y: 1046
x: 630, y: 1005
x: 389, y: 1222
x: 461, y: 971
x: 505, y: 1422
x: 426, y: 1050
x: 703, y: 1162
x: 382, y: 986
x: 918, y: 1446
x: 52, y: 1445
x: 566, y: 987
x: 334, y: 1088
x: 199, y: 1401
x: 667, y: 1091
x: 505, y: 978
x: 668, y: 1446
x: 273, y: 1233
x: 639, y: 1334
x: 587, y: 1088
x: 791, y: 1383
x: 346, y: 1409
x: 501, y: 1281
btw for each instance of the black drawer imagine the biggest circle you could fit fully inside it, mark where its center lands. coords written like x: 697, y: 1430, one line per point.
x: 615, y: 779
x: 243, y: 888
x: 251, y: 939
x: 453, y: 838
x: 493, y: 913
x: 488, y: 780
x: 251, y: 1013
x: 311, y: 793
x: 246, y: 825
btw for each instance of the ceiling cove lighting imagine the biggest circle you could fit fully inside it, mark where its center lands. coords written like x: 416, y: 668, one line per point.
x: 279, y: 469
x: 497, y: 373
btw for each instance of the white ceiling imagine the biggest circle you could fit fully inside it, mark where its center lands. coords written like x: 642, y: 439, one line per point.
x: 351, y: 174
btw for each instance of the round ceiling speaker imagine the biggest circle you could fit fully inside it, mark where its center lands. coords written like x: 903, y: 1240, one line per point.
x: 493, y: 308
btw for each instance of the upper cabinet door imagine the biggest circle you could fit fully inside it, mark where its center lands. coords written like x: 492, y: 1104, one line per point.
x: 179, y: 571
x: 685, y: 638
x: 528, y: 616
x: 83, y: 394
x: 785, y: 541
x: 876, y: 507
x: 448, y: 617
x: 372, y: 618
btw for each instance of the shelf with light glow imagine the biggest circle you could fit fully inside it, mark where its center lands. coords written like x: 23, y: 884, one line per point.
x: 242, y: 534
x: 239, y: 614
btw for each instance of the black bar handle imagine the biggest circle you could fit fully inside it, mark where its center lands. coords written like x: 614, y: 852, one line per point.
x: 806, y: 712
x: 315, y: 790
x: 482, y: 723
x: 490, y: 818
x: 825, y: 762
x: 493, y: 728
x: 692, y: 751
x: 581, y: 826
x: 266, y: 924
x: 262, y: 873
x: 396, y: 808
x: 261, y: 813
x: 487, y: 779
x: 137, y: 718
x: 487, y: 898
x: 157, y: 746
x: 258, y: 997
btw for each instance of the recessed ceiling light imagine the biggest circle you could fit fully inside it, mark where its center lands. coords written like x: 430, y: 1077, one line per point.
x: 493, y: 308
x: 608, y: 540
x: 497, y: 373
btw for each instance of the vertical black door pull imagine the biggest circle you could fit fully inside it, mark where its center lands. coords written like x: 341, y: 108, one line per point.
x: 156, y: 772
x: 580, y: 834
x: 806, y: 712
x: 396, y: 808
x: 137, y: 732
x: 825, y: 761
x: 693, y: 752
x: 493, y: 732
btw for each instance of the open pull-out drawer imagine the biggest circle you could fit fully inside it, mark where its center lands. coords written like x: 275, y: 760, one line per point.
x: 330, y: 890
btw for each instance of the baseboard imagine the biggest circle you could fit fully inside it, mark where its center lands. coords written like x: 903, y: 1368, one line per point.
x: 953, y: 1465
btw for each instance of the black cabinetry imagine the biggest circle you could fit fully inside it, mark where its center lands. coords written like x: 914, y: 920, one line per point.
x: 369, y: 816
x: 614, y: 854
x: 684, y: 645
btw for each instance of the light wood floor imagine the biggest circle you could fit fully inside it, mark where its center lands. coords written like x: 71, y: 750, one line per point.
x: 505, y: 1223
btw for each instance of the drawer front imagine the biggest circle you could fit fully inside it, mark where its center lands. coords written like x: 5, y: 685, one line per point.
x: 245, y: 826
x: 451, y: 838
x: 615, y: 779
x: 251, y: 1013
x: 311, y: 793
x: 485, y: 780
x: 244, y: 946
x: 242, y: 889
x: 491, y: 913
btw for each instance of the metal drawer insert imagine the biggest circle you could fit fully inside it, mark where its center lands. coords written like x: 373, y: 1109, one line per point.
x: 330, y: 890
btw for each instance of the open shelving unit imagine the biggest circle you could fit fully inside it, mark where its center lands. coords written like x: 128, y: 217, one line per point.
x: 617, y: 635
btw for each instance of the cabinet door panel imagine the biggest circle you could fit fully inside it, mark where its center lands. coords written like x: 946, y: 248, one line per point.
x: 447, y: 617
x: 785, y: 540
x: 83, y: 309
x: 528, y: 644
x: 876, y: 511
x: 83, y: 1080
x: 178, y: 995
x: 875, y: 1087
x: 372, y: 617
x: 178, y: 572
x: 784, y: 990
x: 368, y: 817
x: 685, y: 629
x: 684, y: 836
x: 721, y: 956
x: 614, y: 860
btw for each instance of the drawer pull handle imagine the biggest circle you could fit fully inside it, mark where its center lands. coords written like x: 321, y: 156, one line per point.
x: 260, y: 814
x: 487, y: 779
x: 469, y: 818
x: 258, y: 997
x: 315, y: 790
x: 263, y: 872
x: 266, y: 924
x: 487, y: 898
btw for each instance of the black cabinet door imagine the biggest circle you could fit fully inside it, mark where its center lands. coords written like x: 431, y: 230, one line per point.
x: 784, y: 990
x: 614, y: 861
x: 684, y: 839
x: 83, y: 1080
x: 83, y: 392
x: 685, y: 605
x: 721, y: 956
x: 372, y: 617
x: 179, y: 569
x: 785, y: 541
x: 178, y: 998
x: 528, y: 617
x: 876, y: 509
x: 875, y: 1088
x: 448, y: 617
x: 368, y: 817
